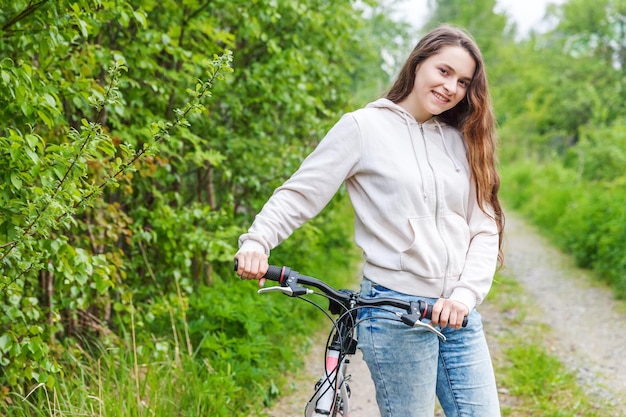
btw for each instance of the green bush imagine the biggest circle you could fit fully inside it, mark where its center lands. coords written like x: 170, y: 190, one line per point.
x: 540, y: 191
x: 600, y: 155
x: 585, y: 218
x: 593, y: 230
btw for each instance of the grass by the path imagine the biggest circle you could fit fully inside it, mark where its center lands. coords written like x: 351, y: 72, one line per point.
x: 532, y: 381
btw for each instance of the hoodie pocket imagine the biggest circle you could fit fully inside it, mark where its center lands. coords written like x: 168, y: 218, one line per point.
x: 426, y: 257
x: 429, y: 256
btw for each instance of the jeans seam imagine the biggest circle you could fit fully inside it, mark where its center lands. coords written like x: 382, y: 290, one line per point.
x: 383, y: 384
x: 370, y: 332
x: 454, y: 400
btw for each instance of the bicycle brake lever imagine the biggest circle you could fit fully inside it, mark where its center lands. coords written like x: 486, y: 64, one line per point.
x: 288, y: 291
x: 414, y: 321
x: 284, y: 290
x: 430, y: 329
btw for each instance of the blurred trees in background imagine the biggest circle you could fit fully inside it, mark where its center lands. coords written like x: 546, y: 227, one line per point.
x: 561, y: 103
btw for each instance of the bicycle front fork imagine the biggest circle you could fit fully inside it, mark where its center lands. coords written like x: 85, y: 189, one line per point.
x: 331, y: 391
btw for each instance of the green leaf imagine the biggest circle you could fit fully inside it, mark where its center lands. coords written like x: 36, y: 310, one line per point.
x: 16, y: 181
x: 5, y: 343
x: 33, y: 156
x: 6, y: 77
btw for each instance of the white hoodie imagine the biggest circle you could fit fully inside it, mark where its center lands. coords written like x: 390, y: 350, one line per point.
x: 416, y: 215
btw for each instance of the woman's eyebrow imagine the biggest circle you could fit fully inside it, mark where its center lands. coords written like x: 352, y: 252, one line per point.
x: 452, y: 69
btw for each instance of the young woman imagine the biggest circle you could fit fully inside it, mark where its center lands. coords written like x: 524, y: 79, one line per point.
x: 419, y: 166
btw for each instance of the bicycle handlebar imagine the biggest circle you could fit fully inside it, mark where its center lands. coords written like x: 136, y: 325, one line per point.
x: 291, y: 281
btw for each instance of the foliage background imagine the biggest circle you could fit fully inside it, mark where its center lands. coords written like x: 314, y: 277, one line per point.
x: 132, y: 160
x: 135, y: 148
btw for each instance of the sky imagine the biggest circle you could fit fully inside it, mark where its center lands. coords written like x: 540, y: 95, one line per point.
x: 526, y: 13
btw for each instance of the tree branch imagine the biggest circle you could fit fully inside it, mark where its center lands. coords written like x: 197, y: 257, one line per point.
x: 27, y: 11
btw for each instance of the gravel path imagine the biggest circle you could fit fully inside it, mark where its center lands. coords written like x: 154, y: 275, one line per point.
x: 588, y: 327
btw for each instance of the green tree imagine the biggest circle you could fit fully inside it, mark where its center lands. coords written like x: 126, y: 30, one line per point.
x: 560, y: 99
x: 124, y: 188
x: 479, y: 18
x: 59, y: 276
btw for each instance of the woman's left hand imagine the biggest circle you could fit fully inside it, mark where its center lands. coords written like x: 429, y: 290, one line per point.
x: 449, y: 313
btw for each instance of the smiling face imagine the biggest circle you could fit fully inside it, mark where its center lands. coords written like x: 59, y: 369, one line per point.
x: 441, y: 82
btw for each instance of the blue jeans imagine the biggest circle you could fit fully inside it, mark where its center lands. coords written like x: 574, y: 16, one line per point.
x: 410, y: 366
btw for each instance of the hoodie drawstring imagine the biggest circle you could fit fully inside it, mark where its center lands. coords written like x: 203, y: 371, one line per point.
x: 445, y: 147
x: 415, y: 153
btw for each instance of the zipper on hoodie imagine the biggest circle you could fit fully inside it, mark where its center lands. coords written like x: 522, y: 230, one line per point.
x: 437, y: 214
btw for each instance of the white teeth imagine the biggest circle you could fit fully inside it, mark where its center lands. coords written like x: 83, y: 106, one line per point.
x: 440, y: 97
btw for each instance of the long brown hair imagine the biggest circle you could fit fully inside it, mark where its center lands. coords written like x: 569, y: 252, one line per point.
x: 473, y: 116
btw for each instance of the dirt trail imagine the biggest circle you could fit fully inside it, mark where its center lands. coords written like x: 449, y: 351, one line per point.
x: 587, y: 327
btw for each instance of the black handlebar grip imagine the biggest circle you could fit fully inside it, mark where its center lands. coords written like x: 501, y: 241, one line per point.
x: 275, y: 273
x: 428, y: 314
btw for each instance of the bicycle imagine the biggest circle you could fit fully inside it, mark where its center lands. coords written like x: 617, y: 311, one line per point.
x: 331, y: 395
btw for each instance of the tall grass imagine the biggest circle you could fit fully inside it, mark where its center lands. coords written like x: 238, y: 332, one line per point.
x: 113, y: 385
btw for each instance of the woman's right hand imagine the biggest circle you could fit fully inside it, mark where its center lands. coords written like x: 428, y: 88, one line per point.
x: 252, y: 265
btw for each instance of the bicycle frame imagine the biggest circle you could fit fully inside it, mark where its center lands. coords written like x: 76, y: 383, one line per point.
x: 332, y: 393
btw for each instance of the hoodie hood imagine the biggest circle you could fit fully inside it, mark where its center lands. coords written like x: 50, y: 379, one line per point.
x: 408, y: 119
x: 384, y: 103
